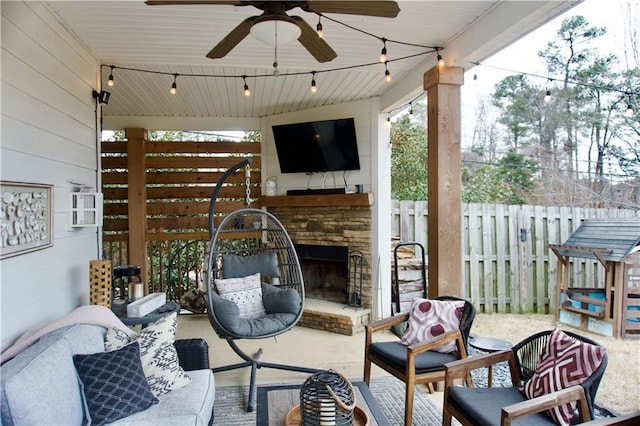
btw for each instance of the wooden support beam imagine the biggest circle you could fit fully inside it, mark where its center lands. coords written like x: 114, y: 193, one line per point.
x: 445, y: 186
x: 137, y: 199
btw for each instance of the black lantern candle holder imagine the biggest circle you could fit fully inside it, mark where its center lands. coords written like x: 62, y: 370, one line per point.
x: 327, y: 398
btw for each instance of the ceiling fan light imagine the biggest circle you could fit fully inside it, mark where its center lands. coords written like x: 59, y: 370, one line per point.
x: 265, y: 31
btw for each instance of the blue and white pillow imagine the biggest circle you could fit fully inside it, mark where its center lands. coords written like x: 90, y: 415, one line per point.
x: 114, y: 384
x: 159, y: 356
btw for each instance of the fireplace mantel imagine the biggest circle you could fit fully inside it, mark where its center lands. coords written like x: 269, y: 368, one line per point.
x: 324, y: 200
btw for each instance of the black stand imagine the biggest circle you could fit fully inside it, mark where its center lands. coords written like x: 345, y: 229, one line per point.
x: 255, y: 363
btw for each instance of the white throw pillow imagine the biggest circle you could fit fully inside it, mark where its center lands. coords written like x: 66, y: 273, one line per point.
x: 246, y: 292
x: 157, y: 353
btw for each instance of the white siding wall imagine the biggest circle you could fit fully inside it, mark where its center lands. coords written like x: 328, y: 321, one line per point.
x: 49, y: 137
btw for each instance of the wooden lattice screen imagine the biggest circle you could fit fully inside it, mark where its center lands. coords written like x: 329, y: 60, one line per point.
x: 157, y: 194
x: 179, y: 180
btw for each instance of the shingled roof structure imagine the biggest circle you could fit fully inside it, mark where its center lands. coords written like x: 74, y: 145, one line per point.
x: 608, y: 240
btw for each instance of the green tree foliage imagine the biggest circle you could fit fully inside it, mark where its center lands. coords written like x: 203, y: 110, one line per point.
x: 408, y: 159
x: 507, y: 182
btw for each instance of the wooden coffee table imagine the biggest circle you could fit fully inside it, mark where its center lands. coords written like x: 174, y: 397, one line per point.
x: 274, y: 402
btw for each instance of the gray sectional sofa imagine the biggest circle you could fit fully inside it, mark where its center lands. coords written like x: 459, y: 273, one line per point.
x: 40, y: 386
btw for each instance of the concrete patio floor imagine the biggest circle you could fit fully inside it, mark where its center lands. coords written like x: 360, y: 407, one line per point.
x: 299, y: 346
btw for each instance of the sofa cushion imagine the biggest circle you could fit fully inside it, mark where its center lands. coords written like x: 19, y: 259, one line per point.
x: 159, y: 356
x: 114, y: 384
x: 189, y: 405
x: 57, y: 399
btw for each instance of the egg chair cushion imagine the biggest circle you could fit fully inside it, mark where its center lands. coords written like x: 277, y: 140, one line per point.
x: 234, y: 266
x: 228, y: 315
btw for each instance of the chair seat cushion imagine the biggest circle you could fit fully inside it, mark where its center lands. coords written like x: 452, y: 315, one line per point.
x: 396, y: 354
x: 484, y: 405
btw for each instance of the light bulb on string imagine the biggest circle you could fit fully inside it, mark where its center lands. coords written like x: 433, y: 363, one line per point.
x: 387, y: 122
x: 387, y: 74
x: 383, y: 52
x: 547, y: 95
x: 314, y: 87
x: 110, y: 82
x: 174, y: 86
x: 247, y: 92
x: 440, y: 60
x: 629, y: 110
x: 410, y: 108
x: 319, y: 27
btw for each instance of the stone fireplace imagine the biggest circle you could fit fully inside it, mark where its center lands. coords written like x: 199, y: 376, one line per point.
x: 325, y: 270
x: 329, y: 224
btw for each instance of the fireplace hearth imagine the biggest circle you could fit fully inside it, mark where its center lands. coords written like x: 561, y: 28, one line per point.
x: 325, y: 270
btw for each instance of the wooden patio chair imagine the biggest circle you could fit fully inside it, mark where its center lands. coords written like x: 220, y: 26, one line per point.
x: 504, y: 405
x: 418, y: 363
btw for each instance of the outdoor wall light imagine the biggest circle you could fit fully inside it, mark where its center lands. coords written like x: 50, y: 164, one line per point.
x: 102, y: 96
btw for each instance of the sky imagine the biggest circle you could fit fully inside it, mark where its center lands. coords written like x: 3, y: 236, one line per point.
x: 522, y: 56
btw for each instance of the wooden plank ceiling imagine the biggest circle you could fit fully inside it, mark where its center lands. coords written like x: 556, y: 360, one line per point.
x: 175, y: 39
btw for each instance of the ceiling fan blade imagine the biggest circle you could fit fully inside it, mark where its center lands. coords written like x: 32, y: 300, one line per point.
x: 385, y: 9
x: 318, y: 48
x: 194, y: 2
x: 232, y: 39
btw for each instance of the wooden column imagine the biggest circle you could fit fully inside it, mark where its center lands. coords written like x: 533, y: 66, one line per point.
x: 444, y: 191
x: 137, y: 199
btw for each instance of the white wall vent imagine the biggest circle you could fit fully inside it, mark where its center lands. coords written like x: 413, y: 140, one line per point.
x: 86, y: 209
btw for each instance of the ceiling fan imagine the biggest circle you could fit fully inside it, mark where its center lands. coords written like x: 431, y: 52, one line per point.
x: 275, y: 13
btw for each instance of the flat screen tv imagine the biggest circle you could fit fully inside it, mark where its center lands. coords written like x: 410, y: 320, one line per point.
x: 317, y: 146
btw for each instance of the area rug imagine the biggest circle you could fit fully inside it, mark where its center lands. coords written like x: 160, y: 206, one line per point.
x: 230, y: 404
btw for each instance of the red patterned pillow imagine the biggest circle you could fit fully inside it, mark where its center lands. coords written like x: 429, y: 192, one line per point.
x: 564, y: 362
x: 430, y: 318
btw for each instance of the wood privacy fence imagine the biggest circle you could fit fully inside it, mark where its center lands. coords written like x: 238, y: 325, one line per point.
x: 508, y: 266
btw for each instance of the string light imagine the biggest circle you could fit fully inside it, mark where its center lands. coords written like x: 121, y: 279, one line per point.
x: 387, y: 123
x: 629, y: 111
x: 440, y: 58
x: 475, y: 76
x: 411, y: 108
x: 174, y: 86
x: 314, y: 87
x: 319, y: 27
x: 247, y: 92
x: 387, y: 74
x: 383, y: 52
x: 550, y: 79
x: 547, y: 95
x: 110, y: 81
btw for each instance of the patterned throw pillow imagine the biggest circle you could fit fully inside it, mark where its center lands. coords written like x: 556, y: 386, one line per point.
x: 114, y: 384
x: 245, y: 292
x: 429, y: 318
x: 159, y: 356
x: 564, y: 362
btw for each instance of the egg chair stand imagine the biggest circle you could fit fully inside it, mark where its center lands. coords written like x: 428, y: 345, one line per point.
x: 251, y: 266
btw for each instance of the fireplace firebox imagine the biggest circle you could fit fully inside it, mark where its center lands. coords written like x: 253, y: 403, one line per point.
x: 325, y: 270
